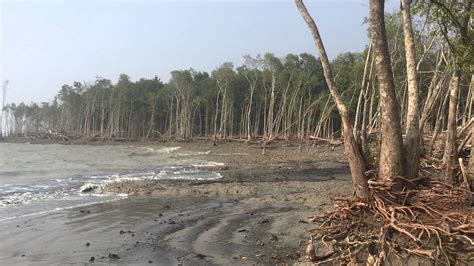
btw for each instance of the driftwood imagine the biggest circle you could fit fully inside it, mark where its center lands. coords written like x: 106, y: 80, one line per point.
x: 55, y: 134
x: 330, y: 141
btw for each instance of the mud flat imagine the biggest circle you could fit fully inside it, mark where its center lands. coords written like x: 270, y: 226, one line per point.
x: 256, y: 213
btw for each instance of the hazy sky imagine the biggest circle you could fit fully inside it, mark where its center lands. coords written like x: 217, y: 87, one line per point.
x: 45, y: 44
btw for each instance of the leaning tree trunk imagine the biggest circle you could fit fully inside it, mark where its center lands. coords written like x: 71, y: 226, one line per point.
x: 450, y: 154
x: 391, y: 149
x: 356, y: 161
x: 412, y: 139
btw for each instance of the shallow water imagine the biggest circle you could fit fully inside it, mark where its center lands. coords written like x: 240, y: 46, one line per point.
x: 38, y: 178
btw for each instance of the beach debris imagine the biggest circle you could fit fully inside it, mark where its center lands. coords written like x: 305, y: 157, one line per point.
x: 310, y: 250
x: 113, y: 256
x: 88, y: 244
x: 273, y: 237
x: 92, y: 259
x: 200, y: 256
x: 260, y: 242
x: 242, y: 230
x: 150, y: 261
x: 126, y: 232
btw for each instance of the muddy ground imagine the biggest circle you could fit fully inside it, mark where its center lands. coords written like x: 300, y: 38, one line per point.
x: 256, y: 213
x: 265, y: 200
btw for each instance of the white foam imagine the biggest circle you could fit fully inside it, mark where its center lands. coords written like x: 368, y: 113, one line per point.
x: 207, y: 164
x: 186, y: 177
x: 168, y: 149
x: 90, y: 187
x: 235, y: 154
x: 26, y: 197
x: 192, y: 153
x: 120, y: 196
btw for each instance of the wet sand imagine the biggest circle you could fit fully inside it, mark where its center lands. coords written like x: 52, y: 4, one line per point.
x: 255, y: 214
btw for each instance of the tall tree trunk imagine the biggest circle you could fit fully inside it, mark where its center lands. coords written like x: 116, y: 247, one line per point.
x: 391, y: 146
x: 450, y: 154
x: 270, y: 122
x: 356, y: 161
x: 412, y: 139
x: 249, y: 109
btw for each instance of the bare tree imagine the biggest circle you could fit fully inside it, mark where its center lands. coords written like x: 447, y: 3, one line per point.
x: 4, y: 95
x: 356, y: 160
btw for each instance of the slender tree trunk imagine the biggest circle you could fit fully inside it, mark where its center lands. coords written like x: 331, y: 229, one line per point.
x: 271, y: 106
x: 412, y: 139
x: 357, y: 126
x: 391, y: 146
x: 450, y: 154
x: 252, y: 88
x: 356, y: 161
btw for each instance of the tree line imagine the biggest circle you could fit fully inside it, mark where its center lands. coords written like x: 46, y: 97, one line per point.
x: 267, y: 97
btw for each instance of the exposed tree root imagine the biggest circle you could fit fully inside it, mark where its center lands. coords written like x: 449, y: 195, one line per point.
x: 435, y: 221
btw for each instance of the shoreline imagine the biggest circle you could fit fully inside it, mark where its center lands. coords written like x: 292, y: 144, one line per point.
x: 256, y: 213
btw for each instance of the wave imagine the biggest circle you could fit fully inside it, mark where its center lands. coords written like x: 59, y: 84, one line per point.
x: 59, y: 188
x: 207, y: 164
x: 151, y: 151
x: 168, y: 149
x: 117, y: 197
x: 183, y: 174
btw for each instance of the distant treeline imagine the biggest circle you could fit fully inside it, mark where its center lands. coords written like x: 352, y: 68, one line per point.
x: 267, y: 97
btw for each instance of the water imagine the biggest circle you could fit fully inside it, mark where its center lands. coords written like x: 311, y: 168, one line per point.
x: 42, y: 178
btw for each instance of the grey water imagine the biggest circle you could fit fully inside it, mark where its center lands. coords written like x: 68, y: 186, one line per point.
x: 37, y: 178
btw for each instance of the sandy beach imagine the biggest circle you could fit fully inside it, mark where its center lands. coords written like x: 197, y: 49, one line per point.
x: 257, y: 213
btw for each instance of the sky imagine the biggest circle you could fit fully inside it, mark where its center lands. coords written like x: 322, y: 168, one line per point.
x: 46, y: 44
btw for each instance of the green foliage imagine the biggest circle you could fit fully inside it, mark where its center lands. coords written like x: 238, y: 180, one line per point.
x: 452, y: 20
